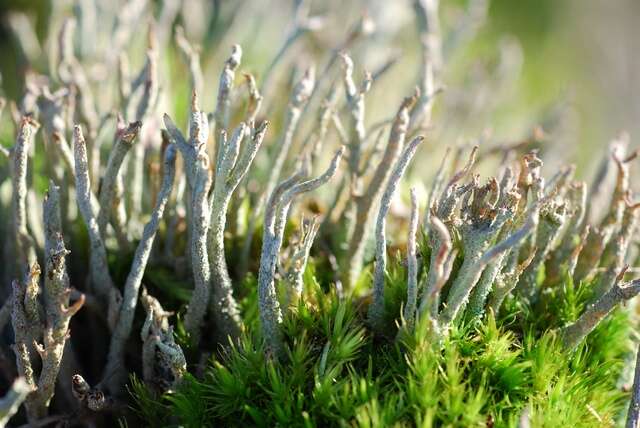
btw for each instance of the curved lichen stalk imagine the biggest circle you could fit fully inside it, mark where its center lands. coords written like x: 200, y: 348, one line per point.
x: 297, y: 101
x: 124, y: 142
x: 274, y: 224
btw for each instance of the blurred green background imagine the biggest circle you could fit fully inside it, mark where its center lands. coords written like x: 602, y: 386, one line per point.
x: 570, y: 65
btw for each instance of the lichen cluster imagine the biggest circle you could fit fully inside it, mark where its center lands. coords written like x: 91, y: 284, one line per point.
x: 497, y: 311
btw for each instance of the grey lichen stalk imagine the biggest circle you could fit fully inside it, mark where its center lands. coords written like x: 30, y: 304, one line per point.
x: 199, y: 302
x: 612, y: 261
x: 376, y: 309
x: 298, y: 260
x: 552, y: 217
x: 355, y: 103
x: 19, y: 155
x: 577, y: 201
x: 101, y: 281
x: 123, y: 144
x: 115, y: 359
x: 428, y: 23
x: 236, y: 158
x: 274, y: 223
x: 370, y: 197
x: 223, y: 103
x: 439, y: 270
x: 619, y: 292
x: 199, y: 180
x: 30, y: 329
x: 480, y: 224
x: 57, y: 293
x: 299, y: 97
x: 12, y: 400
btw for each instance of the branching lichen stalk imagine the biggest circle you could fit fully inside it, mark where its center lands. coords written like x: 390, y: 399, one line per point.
x: 573, y: 334
x: 57, y: 308
x: 355, y: 103
x: 233, y: 168
x: 481, y: 222
x: 199, y: 181
x: 274, y: 223
x: 299, y: 97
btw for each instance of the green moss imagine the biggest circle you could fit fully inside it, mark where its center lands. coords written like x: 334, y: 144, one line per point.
x: 337, y: 374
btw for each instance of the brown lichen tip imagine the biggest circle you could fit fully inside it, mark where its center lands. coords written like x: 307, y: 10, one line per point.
x: 250, y: 80
x: 75, y: 306
x: 631, y: 206
x: 129, y: 134
x: 465, y: 170
x: 530, y: 166
x: 410, y: 101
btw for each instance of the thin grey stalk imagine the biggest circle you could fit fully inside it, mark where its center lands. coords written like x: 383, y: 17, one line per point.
x: 376, y: 309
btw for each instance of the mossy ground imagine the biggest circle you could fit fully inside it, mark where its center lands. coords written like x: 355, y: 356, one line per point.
x: 337, y: 374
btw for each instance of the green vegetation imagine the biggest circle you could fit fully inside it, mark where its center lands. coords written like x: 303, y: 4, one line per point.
x: 337, y: 374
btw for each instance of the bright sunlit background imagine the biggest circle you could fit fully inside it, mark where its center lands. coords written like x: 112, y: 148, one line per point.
x: 571, y: 67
